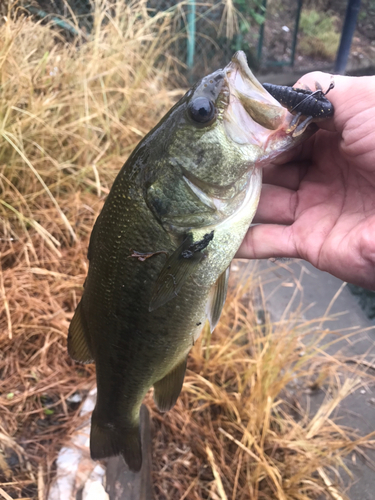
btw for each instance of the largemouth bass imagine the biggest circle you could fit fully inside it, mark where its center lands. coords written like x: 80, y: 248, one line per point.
x: 161, y: 248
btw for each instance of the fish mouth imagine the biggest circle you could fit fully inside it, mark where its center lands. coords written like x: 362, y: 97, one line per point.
x: 252, y: 115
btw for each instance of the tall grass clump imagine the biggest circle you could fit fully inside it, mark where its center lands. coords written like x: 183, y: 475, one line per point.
x: 72, y: 112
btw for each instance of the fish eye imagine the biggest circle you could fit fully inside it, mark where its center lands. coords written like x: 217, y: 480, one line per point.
x: 201, y: 110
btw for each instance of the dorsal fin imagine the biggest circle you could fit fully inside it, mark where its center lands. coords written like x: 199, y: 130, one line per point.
x: 78, y: 346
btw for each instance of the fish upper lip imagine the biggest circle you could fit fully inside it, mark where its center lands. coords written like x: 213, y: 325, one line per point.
x: 239, y: 63
x: 252, y: 115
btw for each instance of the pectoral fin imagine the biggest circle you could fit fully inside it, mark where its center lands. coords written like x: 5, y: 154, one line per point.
x: 178, y: 267
x: 167, y: 390
x: 78, y: 346
x: 216, y: 299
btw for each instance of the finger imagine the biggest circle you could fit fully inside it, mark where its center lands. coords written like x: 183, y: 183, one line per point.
x: 266, y: 241
x: 287, y: 176
x: 277, y: 205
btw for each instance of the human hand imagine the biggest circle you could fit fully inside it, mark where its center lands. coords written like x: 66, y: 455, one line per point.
x: 320, y: 205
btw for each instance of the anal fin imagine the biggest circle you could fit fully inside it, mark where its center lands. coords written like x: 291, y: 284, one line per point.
x: 216, y: 300
x: 78, y: 346
x: 167, y: 390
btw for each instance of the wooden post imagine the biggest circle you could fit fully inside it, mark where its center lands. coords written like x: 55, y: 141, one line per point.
x: 123, y: 484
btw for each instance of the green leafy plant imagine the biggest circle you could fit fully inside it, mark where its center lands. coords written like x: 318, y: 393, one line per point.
x: 319, y: 36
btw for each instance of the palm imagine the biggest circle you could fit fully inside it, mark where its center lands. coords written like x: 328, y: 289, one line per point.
x: 321, y: 206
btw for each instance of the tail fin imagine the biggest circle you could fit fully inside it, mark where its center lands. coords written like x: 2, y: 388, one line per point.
x: 107, y: 441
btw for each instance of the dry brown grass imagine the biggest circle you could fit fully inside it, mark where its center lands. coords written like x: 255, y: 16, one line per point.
x: 69, y: 116
x: 70, y: 113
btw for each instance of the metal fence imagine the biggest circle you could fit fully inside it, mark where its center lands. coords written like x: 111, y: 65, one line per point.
x: 210, y: 30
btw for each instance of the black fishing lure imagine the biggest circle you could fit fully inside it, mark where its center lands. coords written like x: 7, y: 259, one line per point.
x: 302, y: 102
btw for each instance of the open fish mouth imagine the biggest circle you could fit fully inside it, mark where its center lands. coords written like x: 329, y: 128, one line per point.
x: 252, y: 115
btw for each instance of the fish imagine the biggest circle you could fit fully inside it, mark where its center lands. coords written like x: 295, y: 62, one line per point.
x: 160, y: 250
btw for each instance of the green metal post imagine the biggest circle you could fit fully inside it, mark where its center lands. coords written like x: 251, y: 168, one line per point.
x: 191, y: 34
x: 347, y: 36
x: 296, y: 26
x: 261, y: 32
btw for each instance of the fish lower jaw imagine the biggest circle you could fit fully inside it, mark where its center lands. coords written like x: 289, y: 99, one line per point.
x: 246, y: 211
